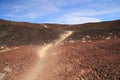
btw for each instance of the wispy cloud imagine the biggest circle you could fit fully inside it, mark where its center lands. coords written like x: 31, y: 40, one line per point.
x: 83, y: 16
x: 74, y: 20
x: 92, y: 12
x: 59, y: 11
x: 31, y: 9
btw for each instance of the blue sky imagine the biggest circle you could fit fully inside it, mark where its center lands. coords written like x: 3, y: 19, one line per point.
x: 60, y: 11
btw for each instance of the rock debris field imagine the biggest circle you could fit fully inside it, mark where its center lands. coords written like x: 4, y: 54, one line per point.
x: 59, y: 52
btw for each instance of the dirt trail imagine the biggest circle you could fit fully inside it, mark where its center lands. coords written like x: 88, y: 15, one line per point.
x: 43, y: 58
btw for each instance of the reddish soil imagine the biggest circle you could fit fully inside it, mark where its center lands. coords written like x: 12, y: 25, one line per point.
x: 18, y: 60
x: 96, y: 60
x: 90, y: 53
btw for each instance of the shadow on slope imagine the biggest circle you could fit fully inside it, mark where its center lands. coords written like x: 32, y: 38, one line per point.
x: 22, y: 33
x: 14, y: 34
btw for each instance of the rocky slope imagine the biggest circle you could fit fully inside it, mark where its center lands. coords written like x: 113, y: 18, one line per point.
x: 92, y: 52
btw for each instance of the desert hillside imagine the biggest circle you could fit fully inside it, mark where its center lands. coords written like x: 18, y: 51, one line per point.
x: 30, y: 51
x: 38, y: 33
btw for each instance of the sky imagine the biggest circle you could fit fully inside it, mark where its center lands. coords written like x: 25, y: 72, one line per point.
x: 60, y: 11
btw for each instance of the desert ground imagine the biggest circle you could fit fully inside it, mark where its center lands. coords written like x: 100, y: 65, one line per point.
x: 31, y: 51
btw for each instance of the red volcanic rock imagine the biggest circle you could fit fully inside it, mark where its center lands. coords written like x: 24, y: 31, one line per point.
x: 92, y: 52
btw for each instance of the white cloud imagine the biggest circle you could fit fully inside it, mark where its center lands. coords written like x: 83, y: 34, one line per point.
x: 31, y: 9
x: 74, y: 20
x: 65, y: 11
x: 92, y: 12
x: 82, y: 16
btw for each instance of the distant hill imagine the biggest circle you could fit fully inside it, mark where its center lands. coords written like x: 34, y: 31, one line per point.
x: 23, y: 33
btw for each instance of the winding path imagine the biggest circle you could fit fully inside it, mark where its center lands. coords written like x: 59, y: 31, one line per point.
x: 43, y: 56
